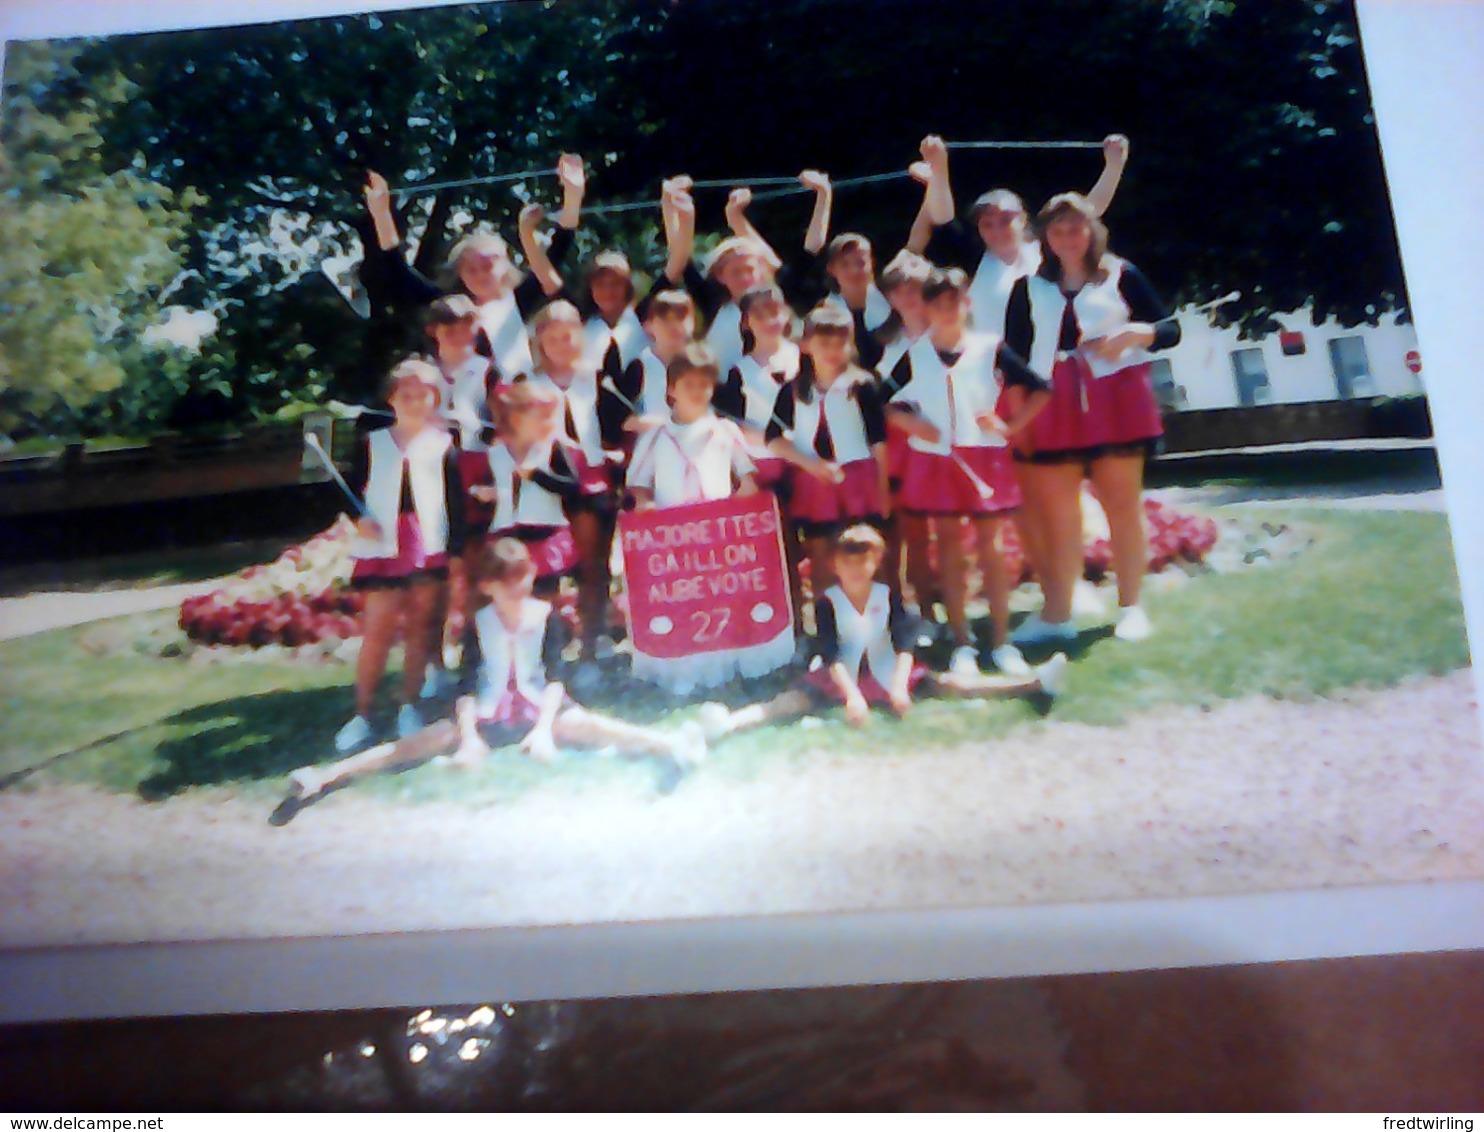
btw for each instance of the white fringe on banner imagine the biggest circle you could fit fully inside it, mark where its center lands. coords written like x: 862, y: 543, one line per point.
x: 684, y: 674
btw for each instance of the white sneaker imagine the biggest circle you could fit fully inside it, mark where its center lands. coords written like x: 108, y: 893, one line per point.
x: 356, y: 733
x: 409, y: 721
x: 965, y: 661
x: 1133, y: 624
x: 1034, y: 631
x: 1053, y: 674
x: 690, y: 745
x: 715, y: 720
x: 1008, y: 660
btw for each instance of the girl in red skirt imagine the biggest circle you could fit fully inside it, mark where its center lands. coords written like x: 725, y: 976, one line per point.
x: 452, y: 324
x: 564, y: 370
x: 958, y: 465
x: 828, y: 422
x: 865, y: 639
x: 1090, y: 319
x: 751, y: 389
x: 408, y: 475
x: 907, y: 534
x: 529, y: 475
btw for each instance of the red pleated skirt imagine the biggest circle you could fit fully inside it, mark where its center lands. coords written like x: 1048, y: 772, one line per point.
x: 940, y: 485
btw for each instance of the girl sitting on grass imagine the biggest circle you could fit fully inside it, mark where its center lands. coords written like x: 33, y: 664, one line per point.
x: 865, y: 638
x: 520, y: 700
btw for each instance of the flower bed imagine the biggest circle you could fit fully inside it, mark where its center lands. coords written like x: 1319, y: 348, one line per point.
x: 299, y: 598
x: 302, y: 597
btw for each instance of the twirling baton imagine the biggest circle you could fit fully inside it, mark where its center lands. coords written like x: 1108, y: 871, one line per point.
x: 311, y: 441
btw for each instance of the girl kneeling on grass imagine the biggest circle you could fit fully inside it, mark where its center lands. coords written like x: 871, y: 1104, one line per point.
x: 865, y: 640
x: 408, y: 474
x: 521, y: 641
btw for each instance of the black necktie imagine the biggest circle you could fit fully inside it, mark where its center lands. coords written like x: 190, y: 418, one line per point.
x: 613, y: 360
x: 1070, y: 331
x: 824, y: 444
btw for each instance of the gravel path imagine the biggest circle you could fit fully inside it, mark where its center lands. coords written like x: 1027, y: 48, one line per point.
x: 1256, y: 794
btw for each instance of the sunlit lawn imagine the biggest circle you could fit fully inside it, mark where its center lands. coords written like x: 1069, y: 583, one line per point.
x: 1374, y: 601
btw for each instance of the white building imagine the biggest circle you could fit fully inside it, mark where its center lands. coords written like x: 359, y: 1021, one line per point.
x: 1214, y: 369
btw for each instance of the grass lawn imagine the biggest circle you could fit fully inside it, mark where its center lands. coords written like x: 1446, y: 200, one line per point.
x: 1375, y: 601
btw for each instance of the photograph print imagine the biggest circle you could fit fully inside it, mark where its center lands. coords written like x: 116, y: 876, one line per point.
x: 593, y: 461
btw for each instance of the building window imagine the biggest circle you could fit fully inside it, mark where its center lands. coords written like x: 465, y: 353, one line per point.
x: 1166, y: 392
x: 1352, y: 368
x: 1251, y: 374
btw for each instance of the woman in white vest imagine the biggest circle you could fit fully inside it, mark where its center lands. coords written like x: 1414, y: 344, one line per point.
x: 1090, y: 319
x: 865, y: 641
x: 1001, y: 249
x: 408, y: 476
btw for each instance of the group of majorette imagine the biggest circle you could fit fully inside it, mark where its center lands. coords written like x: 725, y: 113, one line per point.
x: 977, y: 378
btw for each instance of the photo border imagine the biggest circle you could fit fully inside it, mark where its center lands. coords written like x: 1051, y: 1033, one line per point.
x: 1421, y: 58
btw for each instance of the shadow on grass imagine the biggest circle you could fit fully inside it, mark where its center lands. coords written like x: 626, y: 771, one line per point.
x: 259, y: 738
x: 246, y: 738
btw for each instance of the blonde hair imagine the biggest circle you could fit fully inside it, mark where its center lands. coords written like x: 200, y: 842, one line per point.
x: 1001, y: 200
x: 832, y: 320
x: 729, y: 248
x: 1073, y: 204
x: 560, y: 311
x: 489, y: 244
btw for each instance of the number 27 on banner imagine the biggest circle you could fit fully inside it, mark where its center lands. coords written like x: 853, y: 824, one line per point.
x: 708, y: 577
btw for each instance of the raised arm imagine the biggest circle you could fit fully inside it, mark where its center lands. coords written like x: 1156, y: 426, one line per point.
x: 922, y: 224
x: 544, y: 271
x: 379, y: 205
x: 574, y: 187
x: 385, y: 272
x: 950, y: 242
x: 679, y: 209
x: 1115, y: 159
x: 939, y: 197
x: 738, y: 222
x: 818, y: 233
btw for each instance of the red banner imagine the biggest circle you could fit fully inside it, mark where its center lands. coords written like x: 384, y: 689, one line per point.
x: 706, y: 578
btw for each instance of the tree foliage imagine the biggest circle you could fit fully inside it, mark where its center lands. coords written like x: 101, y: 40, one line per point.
x: 1255, y: 160
x: 89, y: 247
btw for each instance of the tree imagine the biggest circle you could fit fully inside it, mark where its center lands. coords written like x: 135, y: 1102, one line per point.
x: 1255, y: 164
x: 277, y: 126
x: 1255, y: 161
x: 90, y: 247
